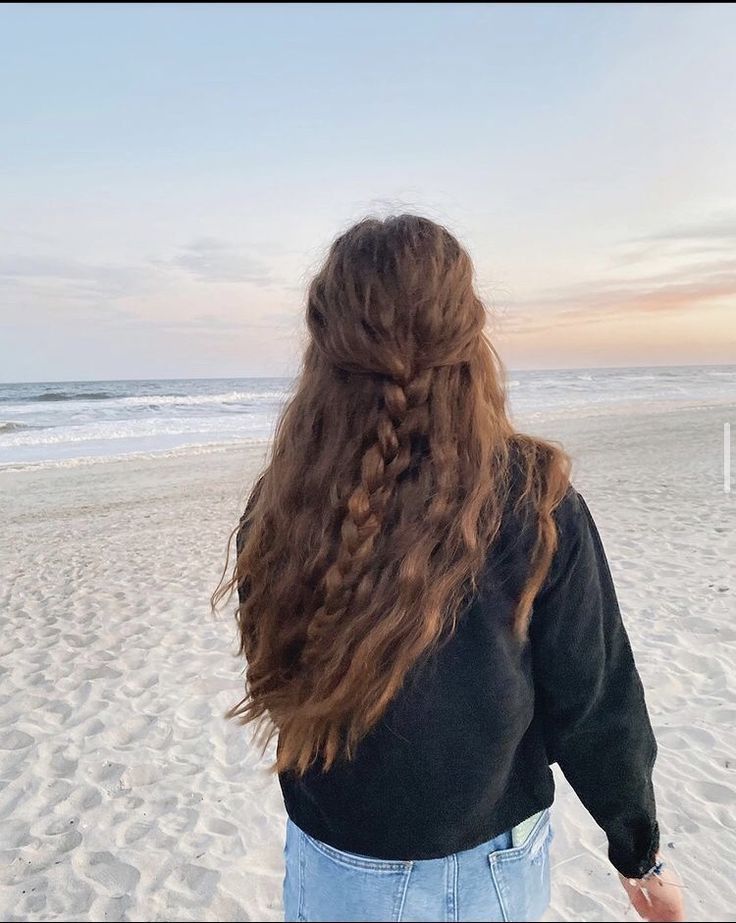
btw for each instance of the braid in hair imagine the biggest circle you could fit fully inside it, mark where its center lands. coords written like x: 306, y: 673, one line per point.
x: 402, y: 417
x: 403, y: 408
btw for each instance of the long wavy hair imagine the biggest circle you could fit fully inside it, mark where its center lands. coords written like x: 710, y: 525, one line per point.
x: 388, y: 479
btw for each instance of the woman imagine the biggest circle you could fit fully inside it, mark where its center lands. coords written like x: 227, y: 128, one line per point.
x: 427, y: 615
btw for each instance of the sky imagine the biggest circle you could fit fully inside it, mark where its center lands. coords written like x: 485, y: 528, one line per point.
x: 172, y: 175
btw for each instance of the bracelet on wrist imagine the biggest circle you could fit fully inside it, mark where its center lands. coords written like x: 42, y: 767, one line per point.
x: 654, y: 872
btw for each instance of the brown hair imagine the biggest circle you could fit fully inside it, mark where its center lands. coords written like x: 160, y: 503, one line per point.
x: 387, y: 483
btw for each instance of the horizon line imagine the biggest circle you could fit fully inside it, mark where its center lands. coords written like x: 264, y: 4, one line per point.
x: 508, y: 371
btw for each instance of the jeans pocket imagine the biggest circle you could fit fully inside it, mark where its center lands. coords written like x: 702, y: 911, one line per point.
x: 521, y: 876
x: 338, y: 885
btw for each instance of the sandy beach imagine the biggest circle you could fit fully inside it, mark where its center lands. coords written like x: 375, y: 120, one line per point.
x: 125, y: 795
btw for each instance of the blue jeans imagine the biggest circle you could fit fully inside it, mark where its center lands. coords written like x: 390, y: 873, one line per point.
x: 493, y: 881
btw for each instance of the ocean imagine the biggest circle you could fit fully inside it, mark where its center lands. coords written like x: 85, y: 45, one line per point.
x: 72, y: 423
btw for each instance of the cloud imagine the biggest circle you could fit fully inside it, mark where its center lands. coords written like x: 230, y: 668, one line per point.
x: 112, y: 279
x: 690, y: 265
x: 677, y: 291
x: 209, y: 259
x: 86, y: 280
x: 283, y: 321
x: 714, y: 234
x: 39, y: 288
x: 720, y: 227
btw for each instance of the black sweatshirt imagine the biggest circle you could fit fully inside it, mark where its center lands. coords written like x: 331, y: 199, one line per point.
x: 463, y: 752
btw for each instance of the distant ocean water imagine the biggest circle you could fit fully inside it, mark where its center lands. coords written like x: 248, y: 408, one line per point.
x: 75, y: 422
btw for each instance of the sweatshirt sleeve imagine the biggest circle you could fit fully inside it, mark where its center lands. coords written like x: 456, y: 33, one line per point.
x: 589, y: 694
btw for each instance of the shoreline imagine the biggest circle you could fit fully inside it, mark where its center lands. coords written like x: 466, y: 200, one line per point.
x: 525, y: 423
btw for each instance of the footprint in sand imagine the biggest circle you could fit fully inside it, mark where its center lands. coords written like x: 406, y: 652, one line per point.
x: 65, y: 842
x: 137, y: 776
x: 130, y: 731
x: 119, y: 878
x: 183, y: 821
x: 101, y: 672
x: 56, y: 792
x: 196, y: 880
x: 112, y: 908
x: 136, y: 831
x: 61, y: 766
x: 60, y: 825
x: 14, y: 834
x: 221, y: 827
x: 15, y: 740
x: 715, y: 793
x: 108, y: 773
x: 60, y: 710
x: 196, y: 711
x: 77, y: 897
x: 85, y: 797
x: 34, y: 901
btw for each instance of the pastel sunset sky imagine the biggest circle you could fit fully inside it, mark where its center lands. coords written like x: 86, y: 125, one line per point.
x: 170, y: 176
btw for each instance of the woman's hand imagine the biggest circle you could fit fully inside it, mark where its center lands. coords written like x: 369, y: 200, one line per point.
x: 658, y: 898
